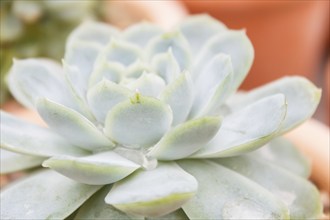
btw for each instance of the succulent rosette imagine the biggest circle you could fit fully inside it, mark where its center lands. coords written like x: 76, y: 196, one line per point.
x: 145, y: 124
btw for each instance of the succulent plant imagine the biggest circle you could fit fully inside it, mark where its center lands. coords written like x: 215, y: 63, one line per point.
x: 37, y: 28
x: 146, y: 124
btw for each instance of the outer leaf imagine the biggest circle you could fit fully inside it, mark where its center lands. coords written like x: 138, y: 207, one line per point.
x: 213, y: 85
x: 12, y: 162
x: 104, y: 96
x: 165, y: 65
x: 302, y: 98
x: 301, y: 197
x: 140, y: 121
x: 282, y: 152
x: 234, y: 43
x: 96, y: 208
x: 179, y: 95
x: 199, y: 28
x: 26, y: 138
x: 31, y: 79
x: 186, y: 138
x: 44, y: 195
x: 98, y: 169
x: 148, y: 85
x: 141, y: 33
x: 224, y: 194
x: 92, y: 32
x: 73, y: 126
x: 246, y: 130
x: 152, y: 193
x: 174, y: 41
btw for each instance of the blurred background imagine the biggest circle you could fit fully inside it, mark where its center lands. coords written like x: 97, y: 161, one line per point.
x: 289, y: 37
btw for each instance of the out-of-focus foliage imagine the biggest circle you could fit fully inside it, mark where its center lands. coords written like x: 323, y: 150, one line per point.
x: 38, y: 28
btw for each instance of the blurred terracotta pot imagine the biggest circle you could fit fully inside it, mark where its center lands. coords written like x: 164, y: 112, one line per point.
x: 288, y: 36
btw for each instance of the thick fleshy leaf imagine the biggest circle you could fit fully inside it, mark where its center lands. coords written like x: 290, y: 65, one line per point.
x: 247, y: 129
x: 165, y: 65
x: 112, y: 71
x: 186, y: 138
x: 148, y: 84
x: 153, y: 193
x: 282, y: 152
x: 301, y: 197
x: 138, y: 122
x: 174, y: 41
x: 176, y: 215
x: 26, y: 138
x: 92, y: 32
x: 179, y: 95
x: 213, y: 85
x: 12, y: 162
x: 104, y: 95
x: 233, y: 43
x: 44, y: 195
x: 78, y: 88
x: 81, y: 55
x: 98, y: 169
x: 122, y: 52
x: 136, y: 69
x: 302, y: 97
x: 141, y: 33
x: 199, y: 28
x: 225, y: 194
x: 73, y: 126
x: 31, y: 79
x: 96, y: 208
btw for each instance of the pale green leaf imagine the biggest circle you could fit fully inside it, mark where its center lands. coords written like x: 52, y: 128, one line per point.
x: 301, y: 197
x: 26, y: 138
x: 138, y: 122
x: 199, y: 28
x: 98, y: 169
x: 148, y: 84
x: 43, y: 195
x: 136, y: 69
x: 12, y: 162
x: 247, y: 129
x: 31, y: 79
x: 213, y: 85
x: 186, y: 138
x: 174, y: 41
x: 225, y: 194
x: 152, y: 193
x: 282, y: 152
x: 165, y: 65
x: 73, y: 126
x: 81, y: 55
x: 141, y: 33
x: 302, y: 97
x: 179, y: 95
x: 92, y: 32
x: 122, y: 52
x: 104, y: 96
x: 233, y: 43
x: 112, y: 71
x: 176, y: 215
x: 96, y: 208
